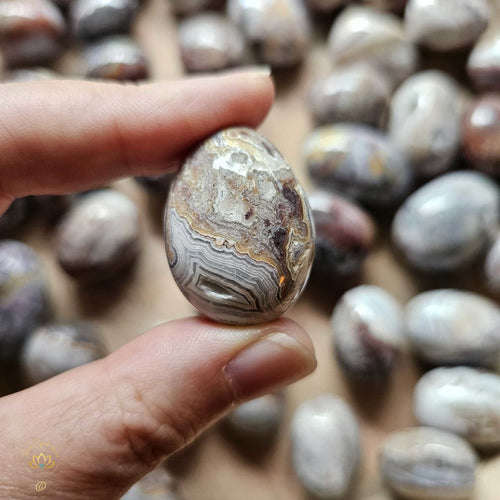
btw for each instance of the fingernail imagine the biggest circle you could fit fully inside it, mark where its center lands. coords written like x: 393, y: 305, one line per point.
x: 262, y: 71
x: 276, y: 360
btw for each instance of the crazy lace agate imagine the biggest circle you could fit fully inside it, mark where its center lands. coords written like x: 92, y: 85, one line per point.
x: 238, y: 229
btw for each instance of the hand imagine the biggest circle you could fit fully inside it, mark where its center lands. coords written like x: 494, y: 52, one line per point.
x: 115, y: 419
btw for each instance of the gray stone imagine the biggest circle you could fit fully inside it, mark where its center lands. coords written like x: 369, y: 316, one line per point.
x: 368, y: 332
x: 448, y: 222
x: 461, y: 400
x: 446, y: 24
x: 451, y: 327
x: 428, y: 464
x: 325, y: 447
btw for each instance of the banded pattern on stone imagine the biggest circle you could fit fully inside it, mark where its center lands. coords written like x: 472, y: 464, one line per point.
x: 238, y: 229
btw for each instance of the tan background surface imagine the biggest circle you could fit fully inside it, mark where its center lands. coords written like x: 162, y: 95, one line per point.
x: 213, y: 468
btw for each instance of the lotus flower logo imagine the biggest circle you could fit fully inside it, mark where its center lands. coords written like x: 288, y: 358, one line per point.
x: 41, y: 456
x: 41, y: 462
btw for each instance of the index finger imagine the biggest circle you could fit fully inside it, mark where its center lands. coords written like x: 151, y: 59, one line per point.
x: 62, y: 136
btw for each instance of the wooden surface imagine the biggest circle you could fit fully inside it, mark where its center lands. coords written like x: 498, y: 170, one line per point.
x: 213, y: 468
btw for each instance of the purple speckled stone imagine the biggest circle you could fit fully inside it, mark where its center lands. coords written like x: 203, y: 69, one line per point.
x: 481, y: 133
x: 23, y: 296
x: 344, y: 234
x: 31, y: 31
x: 368, y: 332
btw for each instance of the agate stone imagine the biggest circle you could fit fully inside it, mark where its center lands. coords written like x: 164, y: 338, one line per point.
x: 116, y: 58
x: 446, y: 24
x: 58, y: 347
x: 23, y: 296
x: 368, y: 332
x: 257, y: 420
x: 99, y: 236
x: 98, y: 18
x: 278, y: 30
x: 452, y: 327
x: 483, y: 64
x: 461, y: 400
x: 325, y: 447
x: 357, y: 161
x: 448, y: 222
x: 426, y: 112
x: 210, y: 42
x: 492, y: 266
x: 31, y: 31
x: 344, y: 234
x: 365, y: 34
x: 238, y: 229
x: 481, y: 133
x: 358, y: 93
x: 424, y: 463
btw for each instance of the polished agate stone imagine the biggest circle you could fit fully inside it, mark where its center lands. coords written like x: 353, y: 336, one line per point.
x: 185, y: 7
x: 483, y: 64
x: 257, y: 420
x: 344, y: 234
x: 492, y: 266
x: 446, y: 25
x: 23, y: 296
x: 448, y: 222
x: 481, y: 133
x: 365, y: 34
x: 325, y: 5
x: 31, y: 32
x: 14, y: 217
x: 461, y: 400
x: 426, y: 463
x: 210, y: 42
x: 358, y: 93
x: 238, y: 229
x: 99, y: 236
x: 278, y: 30
x: 58, y: 347
x: 452, y: 327
x: 358, y: 161
x: 98, y: 18
x: 368, y: 332
x: 325, y: 446
x: 425, y: 117
x: 116, y: 58
x: 390, y: 5
x: 157, y: 485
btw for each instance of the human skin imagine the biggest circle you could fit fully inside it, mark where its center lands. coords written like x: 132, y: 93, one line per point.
x: 115, y: 419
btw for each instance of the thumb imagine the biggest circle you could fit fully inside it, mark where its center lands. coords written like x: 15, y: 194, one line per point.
x: 113, y: 420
